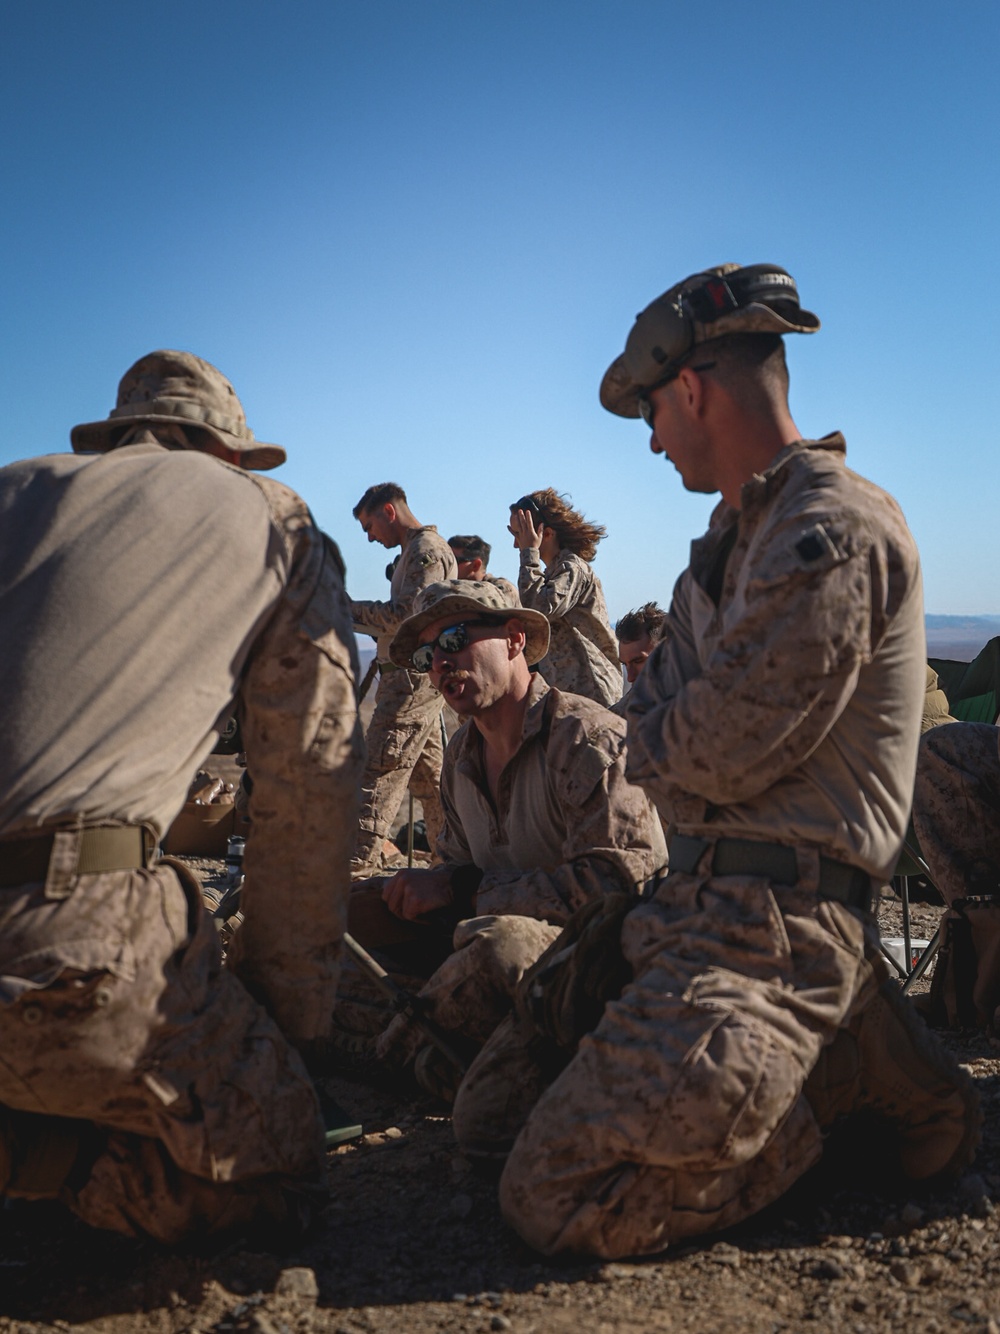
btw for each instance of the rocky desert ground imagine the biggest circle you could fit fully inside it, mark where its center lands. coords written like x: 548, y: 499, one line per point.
x: 413, y: 1242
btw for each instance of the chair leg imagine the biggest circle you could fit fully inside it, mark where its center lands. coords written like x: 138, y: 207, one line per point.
x: 925, y: 960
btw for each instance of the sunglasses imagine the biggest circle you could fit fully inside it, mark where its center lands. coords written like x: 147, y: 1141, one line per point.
x: 646, y: 410
x: 528, y: 503
x: 451, y: 640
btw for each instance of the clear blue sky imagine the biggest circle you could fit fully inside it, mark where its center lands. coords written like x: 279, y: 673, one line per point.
x: 415, y: 234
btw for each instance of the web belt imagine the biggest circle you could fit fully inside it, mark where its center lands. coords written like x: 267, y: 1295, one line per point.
x: 23, y: 861
x: 774, y: 861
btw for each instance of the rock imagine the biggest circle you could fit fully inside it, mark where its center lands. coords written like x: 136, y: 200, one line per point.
x: 259, y: 1323
x: 906, y: 1272
x: 724, y: 1254
x: 393, y: 1132
x: 500, y: 1322
x: 911, y: 1215
x: 610, y: 1273
x: 828, y: 1268
x: 298, y: 1282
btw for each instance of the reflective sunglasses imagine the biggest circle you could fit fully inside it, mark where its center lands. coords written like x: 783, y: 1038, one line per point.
x: 646, y: 411
x: 451, y: 640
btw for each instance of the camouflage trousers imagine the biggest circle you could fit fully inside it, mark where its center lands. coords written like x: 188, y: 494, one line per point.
x: 404, y: 749
x: 139, y: 1082
x: 683, y: 1112
x: 956, y: 807
x: 473, y: 990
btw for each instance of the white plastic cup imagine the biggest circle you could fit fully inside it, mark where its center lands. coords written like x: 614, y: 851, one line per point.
x: 896, y: 947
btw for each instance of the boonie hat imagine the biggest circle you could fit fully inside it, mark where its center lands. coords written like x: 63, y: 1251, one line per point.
x: 464, y: 599
x: 179, y: 388
x: 758, y: 298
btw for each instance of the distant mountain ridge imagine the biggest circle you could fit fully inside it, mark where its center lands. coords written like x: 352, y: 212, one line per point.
x: 959, y: 637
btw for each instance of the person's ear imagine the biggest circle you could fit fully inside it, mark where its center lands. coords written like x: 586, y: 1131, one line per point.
x: 517, y: 639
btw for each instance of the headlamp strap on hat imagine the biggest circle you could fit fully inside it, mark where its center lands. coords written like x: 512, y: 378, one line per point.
x: 720, y: 296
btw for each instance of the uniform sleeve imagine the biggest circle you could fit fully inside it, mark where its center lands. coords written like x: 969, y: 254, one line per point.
x: 305, y: 754
x: 776, y: 680
x: 556, y: 592
x: 426, y: 560
x: 613, y: 838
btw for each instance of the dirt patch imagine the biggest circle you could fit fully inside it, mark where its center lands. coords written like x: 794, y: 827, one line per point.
x: 414, y: 1242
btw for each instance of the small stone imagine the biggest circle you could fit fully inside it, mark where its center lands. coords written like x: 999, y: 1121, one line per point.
x: 911, y: 1215
x: 906, y: 1272
x: 828, y: 1268
x: 934, y: 1268
x: 982, y: 1207
x: 298, y: 1281
x: 393, y: 1132
x: 611, y: 1272
x: 460, y: 1206
x: 261, y: 1324
x: 724, y: 1254
x: 500, y: 1322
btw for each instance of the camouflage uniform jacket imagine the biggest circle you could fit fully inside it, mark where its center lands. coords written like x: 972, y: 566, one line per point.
x: 426, y: 559
x: 498, y: 581
x: 784, y: 702
x: 566, y: 825
x: 583, y: 651
x: 195, y: 584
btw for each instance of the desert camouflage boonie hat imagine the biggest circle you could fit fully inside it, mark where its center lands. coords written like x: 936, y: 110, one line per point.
x: 464, y: 599
x: 181, y: 389
x: 760, y: 298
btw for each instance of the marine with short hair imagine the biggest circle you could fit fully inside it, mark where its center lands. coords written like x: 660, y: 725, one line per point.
x: 404, y: 740
x: 149, y: 583
x: 775, y: 726
x: 473, y: 555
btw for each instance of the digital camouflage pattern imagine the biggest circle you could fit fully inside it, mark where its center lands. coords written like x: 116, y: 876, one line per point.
x: 109, y: 1000
x: 583, y: 650
x: 407, y: 707
x: 111, y: 988
x: 566, y: 825
x: 404, y: 750
x: 656, y: 1128
x: 784, y: 704
x: 565, y: 829
x: 789, y: 709
x: 475, y: 987
x: 505, y: 586
x: 956, y: 808
x: 425, y: 559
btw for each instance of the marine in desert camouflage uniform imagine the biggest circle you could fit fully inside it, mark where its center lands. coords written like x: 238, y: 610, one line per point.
x: 776, y: 727
x: 473, y: 555
x: 557, y: 545
x: 539, y: 817
x: 404, y: 741
x: 155, y: 583
x: 956, y: 808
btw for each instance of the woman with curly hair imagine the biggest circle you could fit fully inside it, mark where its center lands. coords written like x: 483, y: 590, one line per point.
x: 557, y: 545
